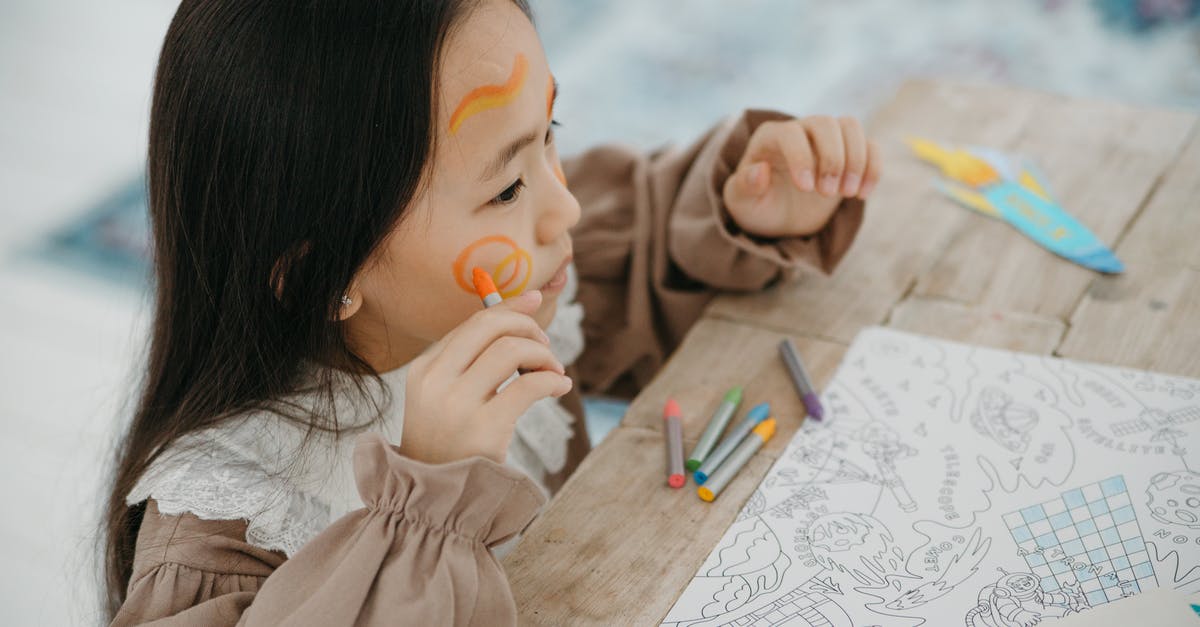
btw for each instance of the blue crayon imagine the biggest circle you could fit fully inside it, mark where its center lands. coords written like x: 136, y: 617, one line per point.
x: 757, y: 414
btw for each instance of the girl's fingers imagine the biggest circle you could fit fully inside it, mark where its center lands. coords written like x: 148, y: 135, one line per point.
x: 792, y: 142
x: 785, y: 141
x: 825, y: 135
x: 466, y: 342
x: 526, y: 390
x: 855, y: 145
x: 871, y: 177
x: 499, y: 361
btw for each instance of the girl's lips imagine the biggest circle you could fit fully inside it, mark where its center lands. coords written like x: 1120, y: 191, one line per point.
x: 559, y: 280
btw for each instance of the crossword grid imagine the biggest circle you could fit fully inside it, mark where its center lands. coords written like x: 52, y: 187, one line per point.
x: 1089, y: 536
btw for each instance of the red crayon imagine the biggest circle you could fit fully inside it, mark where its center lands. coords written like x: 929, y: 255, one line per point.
x: 674, y: 425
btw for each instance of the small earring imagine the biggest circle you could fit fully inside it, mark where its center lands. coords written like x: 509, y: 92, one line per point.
x: 347, y: 301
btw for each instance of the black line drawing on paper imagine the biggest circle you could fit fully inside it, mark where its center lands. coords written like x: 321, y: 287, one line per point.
x: 1018, y: 599
x: 883, y: 445
x: 925, y: 429
x: 822, y: 454
x: 858, y: 545
x: 1153, y: 382
x: 1156, y: 420
x: 959, y: 398
x: 1004, y: 421
x: 960, y: 566
x: 1067, y: 378
x: 748, y: 564
x: 1170, y: 437
x: 825, y: 586
x: 797, y: 608
x: 1025, y: 418
x: 1187, y: 581
x: 1173, y: 498
x: 753, y: 507
x: 800, y: 499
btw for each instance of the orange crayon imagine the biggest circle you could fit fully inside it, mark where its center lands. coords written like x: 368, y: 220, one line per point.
x: 485, y: 287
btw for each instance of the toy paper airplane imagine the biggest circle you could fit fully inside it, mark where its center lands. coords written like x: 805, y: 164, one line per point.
x: 1009, y: 189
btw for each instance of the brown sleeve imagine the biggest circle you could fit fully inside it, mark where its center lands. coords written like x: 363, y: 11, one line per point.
x: 418, y: 550
x: 655, y: 243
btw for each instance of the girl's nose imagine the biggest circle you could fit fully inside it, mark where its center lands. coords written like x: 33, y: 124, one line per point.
x: 559, y: 209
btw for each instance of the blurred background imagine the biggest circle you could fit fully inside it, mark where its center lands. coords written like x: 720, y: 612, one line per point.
x: 75, y: 81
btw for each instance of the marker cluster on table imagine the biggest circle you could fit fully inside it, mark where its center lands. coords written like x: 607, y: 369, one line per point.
x: 713, y: 464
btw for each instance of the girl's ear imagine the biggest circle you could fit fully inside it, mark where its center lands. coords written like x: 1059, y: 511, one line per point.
x: 284, y: 264
x: 351, y: 302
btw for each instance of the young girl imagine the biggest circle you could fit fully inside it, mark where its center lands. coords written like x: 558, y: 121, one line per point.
x: 331, y: 430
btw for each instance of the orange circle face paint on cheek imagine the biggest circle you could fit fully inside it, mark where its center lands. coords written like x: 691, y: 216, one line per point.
x: 510, y: 265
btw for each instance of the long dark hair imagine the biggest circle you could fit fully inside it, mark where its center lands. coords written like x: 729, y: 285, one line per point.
x: 286, y: 141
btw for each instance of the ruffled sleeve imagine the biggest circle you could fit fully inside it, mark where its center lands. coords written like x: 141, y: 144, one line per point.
x: 418, y: 550
x: 655, y: 243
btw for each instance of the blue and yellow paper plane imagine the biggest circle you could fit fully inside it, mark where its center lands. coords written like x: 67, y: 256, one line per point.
x: 1010, y: 189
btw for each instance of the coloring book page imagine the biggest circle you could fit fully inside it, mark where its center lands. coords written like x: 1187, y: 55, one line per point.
x: 956, y: 485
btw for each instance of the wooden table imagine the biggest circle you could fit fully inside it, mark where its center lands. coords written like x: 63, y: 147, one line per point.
x: 616, y: 546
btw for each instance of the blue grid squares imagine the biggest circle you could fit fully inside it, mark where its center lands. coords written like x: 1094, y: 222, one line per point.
x: 1088, y: 538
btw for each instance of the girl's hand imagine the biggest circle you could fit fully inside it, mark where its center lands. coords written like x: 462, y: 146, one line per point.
x: 795, y: 173
x: 451, y: 408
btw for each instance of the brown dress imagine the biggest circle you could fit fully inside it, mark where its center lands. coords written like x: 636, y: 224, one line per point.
x: 652, y: 247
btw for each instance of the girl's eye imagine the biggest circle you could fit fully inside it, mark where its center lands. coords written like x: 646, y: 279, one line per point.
x: 510, y: 194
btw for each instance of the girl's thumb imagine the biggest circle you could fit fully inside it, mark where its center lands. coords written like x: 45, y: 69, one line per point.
x: 752, y: 179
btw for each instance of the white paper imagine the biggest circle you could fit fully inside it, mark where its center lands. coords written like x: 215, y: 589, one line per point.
x: 958, y: 485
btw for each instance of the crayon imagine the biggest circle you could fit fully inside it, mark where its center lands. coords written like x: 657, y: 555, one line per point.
x: 674, y: 426
x: 485, y: 287
x: 757, y: 414
x: 800, y: 378
x: 730, y: 467
x: 716, y: 426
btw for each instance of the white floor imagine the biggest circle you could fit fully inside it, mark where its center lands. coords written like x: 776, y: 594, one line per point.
x: 74, y: 98
x: 75, y: 80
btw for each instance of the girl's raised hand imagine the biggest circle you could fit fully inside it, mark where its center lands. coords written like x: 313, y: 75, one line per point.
x: 451, y: 408
x: 795, y: 173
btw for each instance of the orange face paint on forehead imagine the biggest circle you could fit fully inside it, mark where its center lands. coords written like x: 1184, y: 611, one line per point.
x: 550, y: 89
x: 490, y: 96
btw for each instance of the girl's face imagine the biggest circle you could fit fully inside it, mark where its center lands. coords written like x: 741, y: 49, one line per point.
x: 495, y: 199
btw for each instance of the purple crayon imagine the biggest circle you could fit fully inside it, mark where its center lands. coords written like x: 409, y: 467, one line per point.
x: 800, y: 378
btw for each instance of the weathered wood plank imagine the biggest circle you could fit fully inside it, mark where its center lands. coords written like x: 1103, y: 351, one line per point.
x: 1150, y: 317
x: 978, y: 325
x: 1102, y: 160
x: 617, y: 546
x: 1168, y: 228
x: 719, y: 354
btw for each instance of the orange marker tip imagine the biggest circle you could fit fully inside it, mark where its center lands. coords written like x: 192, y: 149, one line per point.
x: 706, y: 494
x: 765, y: 429
x: 675, y: 481
x: 672, y: 408
x: 483, y: 282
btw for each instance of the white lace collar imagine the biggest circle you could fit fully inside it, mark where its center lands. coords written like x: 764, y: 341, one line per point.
x: 258, y: 467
